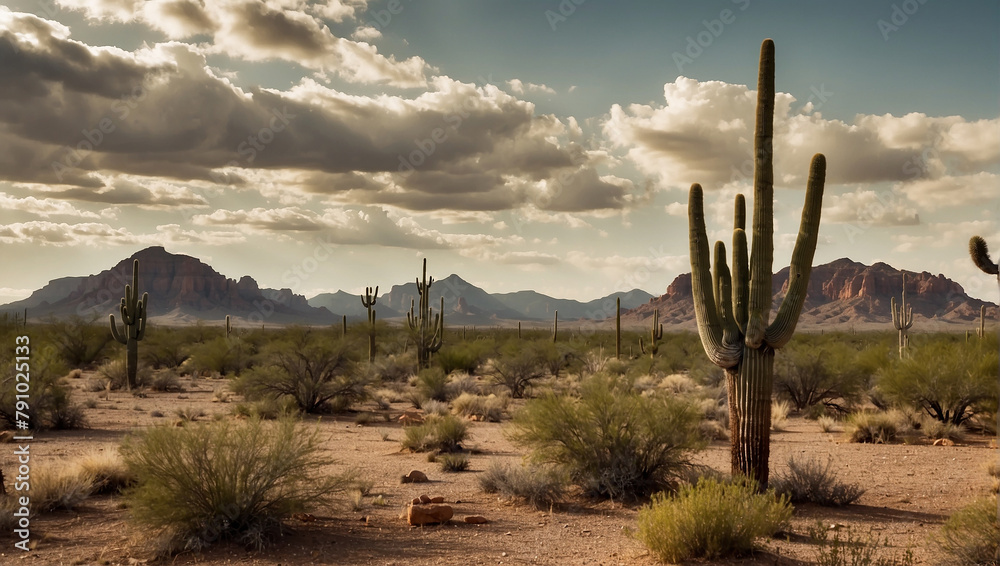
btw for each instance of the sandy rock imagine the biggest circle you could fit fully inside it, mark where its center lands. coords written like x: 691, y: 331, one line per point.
x: 415, y: 476
x: 437, y: 499
x: 426, y: 499
x: 476, y: 520
x: 428, y: 514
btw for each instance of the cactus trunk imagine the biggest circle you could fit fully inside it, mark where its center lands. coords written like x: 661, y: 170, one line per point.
x: 133, y: 311
x: 733, y: 309
x: 618, y: 328
x: 368, y: 301
x: 427, y: 328
x: 555, y: 327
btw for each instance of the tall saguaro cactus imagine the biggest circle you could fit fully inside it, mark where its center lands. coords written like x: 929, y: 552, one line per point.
x: 981, y: 331
x: 618, y: 328
x: 902, y: 320
x: 655, y: 335
x: 427, y: 327
x: 733, y: 310
x: 368, y: 301
x: 555, y: 327
x: 133, y: 311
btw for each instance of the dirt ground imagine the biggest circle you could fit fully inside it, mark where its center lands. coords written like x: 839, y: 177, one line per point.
x: 911, y: 489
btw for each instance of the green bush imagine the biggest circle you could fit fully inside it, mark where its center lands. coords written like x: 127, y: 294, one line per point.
x: 808, y: 374
x: 611, y: 441
x: 114, y: 372
x: 950, y: 380
x: 484, y: 408
x: 871, y: 428
x: 972, y: 534
x: 79, y: 341
x: 453, y: 462
x: 164, y: 347
x: 220, y: 355
x: 441, y: 433
x: 226, y: 480
x: 517, y: 368
x: 465, y: 357
x: 539, y: 487
x: 855, y: 549
x: 810, y: 481
x: 314, y: 370
x: 710, y: 520
x: 432, y: 383
x: 50, y: 406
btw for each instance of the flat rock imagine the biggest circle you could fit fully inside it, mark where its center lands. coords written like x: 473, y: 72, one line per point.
x: 476, y: 520
x: 417, y: 515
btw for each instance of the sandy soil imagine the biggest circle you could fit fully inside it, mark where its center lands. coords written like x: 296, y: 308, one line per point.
x: 911, y: 489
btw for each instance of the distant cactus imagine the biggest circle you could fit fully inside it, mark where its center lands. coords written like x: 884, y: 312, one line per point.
x: 368, y: 301
x: 229, y: 326
x: 133, y: 311
x: 902, y: 320
x: 618, y: 328
x: 981, y: 331
x: 655, y: 335
x: 733, y: 310
x: 343, y: 326
x: 555, y: 327
x: 428, y: 328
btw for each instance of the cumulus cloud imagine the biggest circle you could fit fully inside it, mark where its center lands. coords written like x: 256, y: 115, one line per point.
x: 151, y: 194
x: 870, y: 208
x: 519, y: 87
x: 43, y: 207
x: 704, y: 133
x: 61, y: 234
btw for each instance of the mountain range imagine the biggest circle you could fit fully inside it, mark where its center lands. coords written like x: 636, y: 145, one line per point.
x: 182, y: 290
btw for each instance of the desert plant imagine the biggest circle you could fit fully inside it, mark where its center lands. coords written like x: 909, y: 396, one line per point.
x: 427, y: 329
x: 432, y: 383
x: 733, y: 310
x: 442, y: 433
x: 133, y: 311
x: 611, y: 441
x: 220, y: 355
x: 809, y: 374
x: 267, y: 408
x: 871, y: 428
x: 826, y: 423
x: 484, y: 408
x: 902, y: 320
x: 114, y: 374
x: 453, y: 462
x: 165, y: 381
x: 368, y: 301
x: 972, y: 534
x: 710, y: 519
x: 655, y: 335
x: 540, y: 487
x: 809, y: 481
x: 50, y: 405
x: 779, y: 415
x: 517, y: 370
x: 62, y: 487
x: 307, y: 367
x: 226, y: 479
x: 107, y: 470
x: 79, y: 341
x: 949, y: 380
x: 934, y: 430
x: 165, y: 347
x: 855, y: 549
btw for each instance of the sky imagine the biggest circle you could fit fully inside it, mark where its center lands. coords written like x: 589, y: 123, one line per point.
x: 546, y: 145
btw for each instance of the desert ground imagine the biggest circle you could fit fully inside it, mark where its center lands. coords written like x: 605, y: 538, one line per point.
x: 911, y: 489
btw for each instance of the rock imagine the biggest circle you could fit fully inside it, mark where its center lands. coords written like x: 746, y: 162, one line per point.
x: 944, y: 442
x: 428, y: 514
x: 427, y: 499
x: 415, y: 476
x: 476, y: 520
x: 416, y: 501
x: 437, y: 499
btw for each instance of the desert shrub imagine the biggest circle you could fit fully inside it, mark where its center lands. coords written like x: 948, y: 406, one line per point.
x: 611, y: 441
x: 314, y: 370
x: 972, y: 535
x: 951, y: 381
x: 872, y: 428
x: 267, y: 408
x: 62, y: 487
x: 459, y: 383
x: 78, y: 341
x: 107, y: 470
x: 441, y: 433
x: 826, y: 423
x: 164, y: 381
x: 539, y: 487
x: 189, y: 414
x: 709, y: 520
x: 465, y: 357
x: 779, y: 415
x: 516, y: 369
x: 434, y: 407
x: 453, y: 462
x: 934, y: 430
x: 808, y: 374
x: 164, y: 347
x: 432, y: 384
x: 115, y: 373
x: 855, y: 549
x: 485, y: 408
x: 810, y: 481
x: 50, y: 405
x: 221, y: 355
x: 226, y: 479
x: 395, y: 368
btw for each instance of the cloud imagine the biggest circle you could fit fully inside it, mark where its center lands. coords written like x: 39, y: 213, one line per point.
x: 43, y: 207
x: 519, y: 87
x: 958, y: 190
x: 704, y: 133
x: 870, y: 208
x: 44, y: 233
x: 150, y: 194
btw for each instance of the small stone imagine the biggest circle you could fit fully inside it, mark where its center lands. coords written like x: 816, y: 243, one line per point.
x: 427, y: 499
x: 437, y: 499
x: 416, y: 501
x: 476, y: 520
x: 417, y: 515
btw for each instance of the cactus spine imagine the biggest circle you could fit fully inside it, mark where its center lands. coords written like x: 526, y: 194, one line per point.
x: 133, y: 311
x: 427, y: 327
x: 368, y: 301
x: 655, y: 335
x: 733, y: 310
x: 902, y: 320
x: 618, y: 328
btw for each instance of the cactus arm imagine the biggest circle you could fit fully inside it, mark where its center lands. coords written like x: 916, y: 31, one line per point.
x: 141, y: 315
x: 980, y: 253
x: 723, y: 285
x: 706, y: 313
x: 740, y: 263
x: 762, y: 246
x: 120, y: 337
x: 781, y: 329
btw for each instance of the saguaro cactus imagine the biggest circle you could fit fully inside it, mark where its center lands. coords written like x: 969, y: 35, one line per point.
x: 133, y: 311
x: 427, y: 327
x: 618, y: 328
x: 981, y: 331
x: 902, y: 320
x: 368, y: 301
x: 229, y: 326
x: 733, y: 310
x: 655, y: 335
x: 555, y: 327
